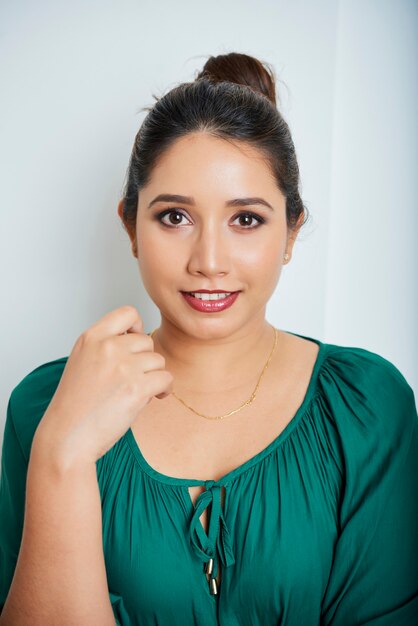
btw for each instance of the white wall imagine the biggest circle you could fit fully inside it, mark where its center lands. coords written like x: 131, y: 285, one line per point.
x: 372, y: 258
x: 74, y: 77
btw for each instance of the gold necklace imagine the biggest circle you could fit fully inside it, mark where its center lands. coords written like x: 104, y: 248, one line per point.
x: 247, y: 402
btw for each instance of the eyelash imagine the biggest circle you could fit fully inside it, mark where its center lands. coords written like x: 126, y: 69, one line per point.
x: 259, y: 219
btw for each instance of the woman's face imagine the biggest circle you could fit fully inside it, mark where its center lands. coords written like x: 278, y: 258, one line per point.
x: 205, y: 242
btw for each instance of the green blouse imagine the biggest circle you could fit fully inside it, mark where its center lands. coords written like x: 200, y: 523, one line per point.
x: 319, y: 528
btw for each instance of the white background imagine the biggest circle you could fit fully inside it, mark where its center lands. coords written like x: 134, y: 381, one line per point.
x: 74, y: 77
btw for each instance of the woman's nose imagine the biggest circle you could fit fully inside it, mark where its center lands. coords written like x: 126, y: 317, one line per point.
x: 209, y: 252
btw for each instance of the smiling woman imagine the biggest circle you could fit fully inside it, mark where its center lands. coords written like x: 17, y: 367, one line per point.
x: 218, y: 246
x: 246, y: 476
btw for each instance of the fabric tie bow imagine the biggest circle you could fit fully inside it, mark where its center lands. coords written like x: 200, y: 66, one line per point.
x: 218, y: 540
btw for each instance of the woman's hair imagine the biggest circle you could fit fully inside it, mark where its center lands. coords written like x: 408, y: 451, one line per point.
x: 232, y: 98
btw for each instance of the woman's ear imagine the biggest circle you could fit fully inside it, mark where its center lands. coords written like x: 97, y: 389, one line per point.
x: 132, y: 235
x: 291, y: 239
x: 120, y: 209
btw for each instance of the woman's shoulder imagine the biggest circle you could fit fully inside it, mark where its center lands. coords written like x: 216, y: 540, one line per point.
x: 365, y: 392
x: 363, y: 367
x: 351, y: 367
x: 30, y: 398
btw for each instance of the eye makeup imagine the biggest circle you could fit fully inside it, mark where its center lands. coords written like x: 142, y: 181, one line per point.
x: 159, y: 217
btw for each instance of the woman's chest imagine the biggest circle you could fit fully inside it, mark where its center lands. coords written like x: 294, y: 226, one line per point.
x: 176, y: 442
x: 182, y: 444
x: 273, y: 543
x: 179, y: 442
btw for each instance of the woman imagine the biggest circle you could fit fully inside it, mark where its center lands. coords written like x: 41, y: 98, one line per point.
x: 221, y: 470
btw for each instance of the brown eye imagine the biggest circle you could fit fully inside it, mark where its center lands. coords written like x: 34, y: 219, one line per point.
x: 246, y: 220
x: 174, y: 217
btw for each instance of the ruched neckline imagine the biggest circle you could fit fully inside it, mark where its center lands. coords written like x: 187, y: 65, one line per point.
x: 257, y: 458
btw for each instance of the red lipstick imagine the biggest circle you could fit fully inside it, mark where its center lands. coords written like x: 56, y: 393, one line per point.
x: 210, y: 306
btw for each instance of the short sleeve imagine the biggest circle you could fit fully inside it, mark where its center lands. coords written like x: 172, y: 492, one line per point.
x: 374, y: 574
x: 26, y: 406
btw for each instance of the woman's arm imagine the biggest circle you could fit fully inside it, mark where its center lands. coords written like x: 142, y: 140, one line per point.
x: 374, y: 575
x: 60, y: 575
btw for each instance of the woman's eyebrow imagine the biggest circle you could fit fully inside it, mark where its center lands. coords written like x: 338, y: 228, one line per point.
x: 167, y: 197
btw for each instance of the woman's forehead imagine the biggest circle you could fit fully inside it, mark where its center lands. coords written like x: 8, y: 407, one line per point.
x: 206, y: 160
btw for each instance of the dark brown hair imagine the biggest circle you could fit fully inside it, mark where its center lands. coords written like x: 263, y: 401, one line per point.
x: 232, y: 98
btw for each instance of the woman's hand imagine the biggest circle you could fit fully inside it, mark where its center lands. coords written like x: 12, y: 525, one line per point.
x: 111, y: 374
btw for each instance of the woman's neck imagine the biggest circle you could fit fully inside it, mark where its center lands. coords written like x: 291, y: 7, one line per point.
x: 201, y: 365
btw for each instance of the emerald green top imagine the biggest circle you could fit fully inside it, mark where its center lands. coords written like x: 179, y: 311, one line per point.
x: 319, y: 528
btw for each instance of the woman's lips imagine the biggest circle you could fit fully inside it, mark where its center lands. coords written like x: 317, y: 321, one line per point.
x: 210, y: 306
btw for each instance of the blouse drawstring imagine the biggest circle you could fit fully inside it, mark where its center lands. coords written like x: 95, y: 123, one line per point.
x: 218, y: 540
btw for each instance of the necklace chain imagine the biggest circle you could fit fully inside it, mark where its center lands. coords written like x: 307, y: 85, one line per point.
x: 247, y: 402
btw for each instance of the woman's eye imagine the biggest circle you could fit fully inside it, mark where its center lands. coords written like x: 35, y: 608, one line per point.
x: 249, y: 217
x: 171, y: 212
x: 175, y: 219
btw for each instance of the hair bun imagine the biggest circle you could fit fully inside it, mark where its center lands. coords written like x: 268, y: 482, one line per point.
x: 241, y: 69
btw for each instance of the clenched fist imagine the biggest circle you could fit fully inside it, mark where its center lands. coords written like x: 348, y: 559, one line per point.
x: 111, y: 374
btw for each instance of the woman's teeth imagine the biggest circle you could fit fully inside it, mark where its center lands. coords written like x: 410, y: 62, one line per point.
x: 210, y: 296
